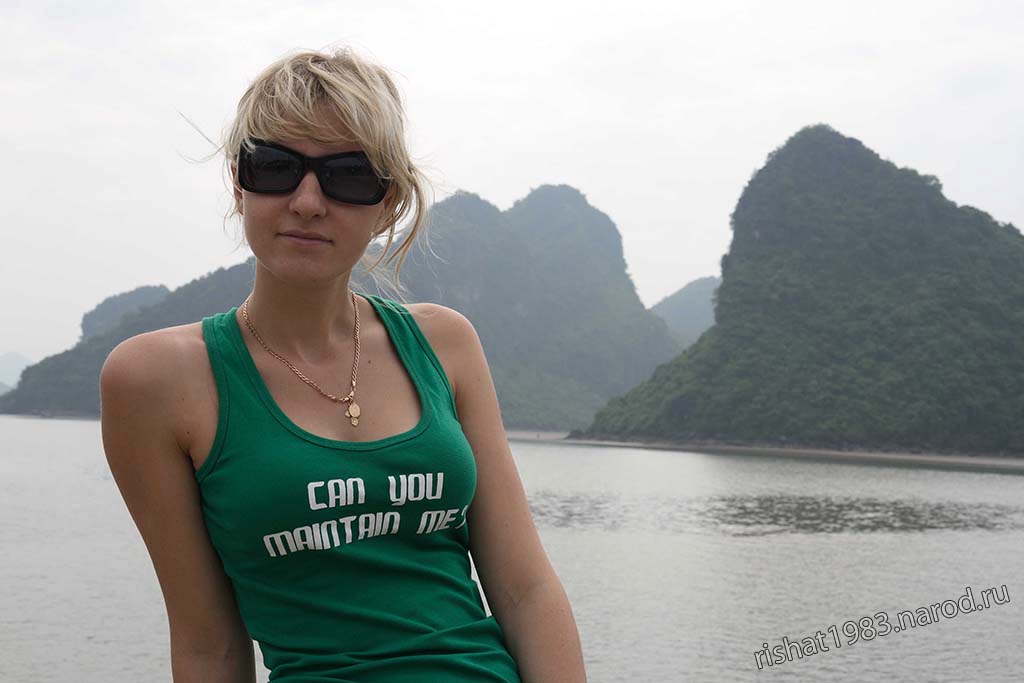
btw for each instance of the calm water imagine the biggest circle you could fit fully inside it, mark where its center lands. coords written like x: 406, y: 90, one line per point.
x: 679, y: 566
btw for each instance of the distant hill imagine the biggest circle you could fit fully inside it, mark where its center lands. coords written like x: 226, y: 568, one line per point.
x: 4, y: 388
x: 11, y: 365
x: 689, y: 311
x: 544, y: 283
x: 546, y: 286
x: 67, y: 383
x: 858, y: 308
x: 110, y: 311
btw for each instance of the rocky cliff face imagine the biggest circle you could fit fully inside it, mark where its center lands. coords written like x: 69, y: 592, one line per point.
x: 858, y: 307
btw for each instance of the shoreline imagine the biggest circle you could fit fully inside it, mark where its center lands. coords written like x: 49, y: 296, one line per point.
x: 962, y: 462
x: 972, y: 463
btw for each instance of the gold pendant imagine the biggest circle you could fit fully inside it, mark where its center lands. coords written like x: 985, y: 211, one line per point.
x: 353, y: 413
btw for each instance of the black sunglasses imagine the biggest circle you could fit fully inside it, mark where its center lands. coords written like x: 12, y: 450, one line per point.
x: 270, y: 168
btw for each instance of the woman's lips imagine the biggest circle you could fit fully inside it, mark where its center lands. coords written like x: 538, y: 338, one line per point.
x: 305, y: 240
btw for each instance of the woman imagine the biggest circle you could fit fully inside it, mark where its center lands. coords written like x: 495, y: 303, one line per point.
x: 309, y: 469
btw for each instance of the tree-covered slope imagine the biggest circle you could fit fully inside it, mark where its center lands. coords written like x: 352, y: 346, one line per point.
x: 858, y: 308
x: 67, y: 383
x: 546, y: 286
x: 110, y: 311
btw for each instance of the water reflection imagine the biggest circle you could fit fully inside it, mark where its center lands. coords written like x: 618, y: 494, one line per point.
x: 760, y: 515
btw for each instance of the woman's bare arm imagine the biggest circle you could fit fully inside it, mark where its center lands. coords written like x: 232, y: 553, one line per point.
x: 524, y: 593
x: 208, y: 640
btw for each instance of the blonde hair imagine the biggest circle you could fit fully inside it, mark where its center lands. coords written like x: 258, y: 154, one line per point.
x: 334, y: 96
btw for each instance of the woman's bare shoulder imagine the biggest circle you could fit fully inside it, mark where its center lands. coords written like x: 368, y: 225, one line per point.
x: 445, y: 330
x: 168, y: 350
x: 173, y: 361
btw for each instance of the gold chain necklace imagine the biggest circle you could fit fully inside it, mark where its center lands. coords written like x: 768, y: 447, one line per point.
x: 353, y: 411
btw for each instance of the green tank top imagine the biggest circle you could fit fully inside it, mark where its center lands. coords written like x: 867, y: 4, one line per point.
x: 349, y: 560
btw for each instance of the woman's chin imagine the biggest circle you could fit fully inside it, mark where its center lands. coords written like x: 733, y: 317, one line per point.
x: 302, y: 270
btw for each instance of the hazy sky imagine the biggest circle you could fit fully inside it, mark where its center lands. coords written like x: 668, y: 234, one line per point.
x: 657, y: 112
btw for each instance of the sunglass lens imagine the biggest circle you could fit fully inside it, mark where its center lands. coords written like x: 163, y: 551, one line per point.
x: 352, y: 179
x: 266, y: 169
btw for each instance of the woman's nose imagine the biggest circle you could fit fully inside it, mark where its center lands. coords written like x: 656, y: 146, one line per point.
x: 308, y: 199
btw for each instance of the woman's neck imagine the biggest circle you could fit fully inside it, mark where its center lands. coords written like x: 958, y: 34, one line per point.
x: 310, y: 325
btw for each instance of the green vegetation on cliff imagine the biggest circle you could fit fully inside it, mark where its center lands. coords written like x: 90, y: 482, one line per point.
x: 546, y: 286
x: 858, y: 308
x: 110, y: 311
